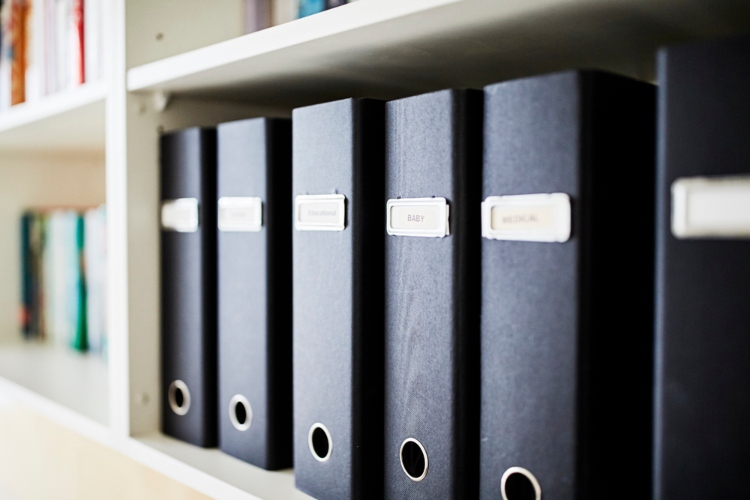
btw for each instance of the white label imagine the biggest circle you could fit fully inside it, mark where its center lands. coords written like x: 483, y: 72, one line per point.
x: 240, y: 214
x: 180, y: 215
x: 418, y: 217
x: 527, y: 217
x: 322, y: 212
x: 716, y: 207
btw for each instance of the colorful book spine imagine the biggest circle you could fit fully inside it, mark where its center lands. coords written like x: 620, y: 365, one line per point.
x: 77, y: 71
x: 63, y: 277
x: 47, y: 46
x: 310, y: 7
x: 258, y: 15
x: 5, y: 54
x: 36, y: 242
x: 79, y: 340
x: 26, y: 274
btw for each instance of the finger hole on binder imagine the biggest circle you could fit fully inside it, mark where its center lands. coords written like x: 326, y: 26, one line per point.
x: 240, y: 412
x: 320, y: 442
x: 520, y: 484
x: 413, y: 459
x: 178, y: 397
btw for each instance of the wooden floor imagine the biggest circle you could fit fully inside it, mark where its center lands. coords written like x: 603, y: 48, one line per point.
x: 40, y: 459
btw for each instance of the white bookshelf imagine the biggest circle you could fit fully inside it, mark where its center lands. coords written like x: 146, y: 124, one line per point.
x: 177, y: 64
x: 392, y: 48
x: 52, y: 153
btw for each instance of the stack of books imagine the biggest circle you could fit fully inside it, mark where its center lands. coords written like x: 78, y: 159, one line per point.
x: 261, y: 14
x: 63, y: 257
x: 48, y: 46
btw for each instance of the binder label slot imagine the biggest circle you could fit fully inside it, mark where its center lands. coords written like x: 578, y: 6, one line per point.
x: 711, y: 207
x: 324, y: 212
x: 240, y: 214
x: 418, y: 217
x: 527, y: 217
x: 180, y: 215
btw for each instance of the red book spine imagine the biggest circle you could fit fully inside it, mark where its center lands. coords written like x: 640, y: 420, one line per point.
x: 79, y: 20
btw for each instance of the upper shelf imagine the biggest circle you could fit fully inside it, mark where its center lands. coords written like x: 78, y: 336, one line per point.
x: 70, y: 120
x: 392, y: 48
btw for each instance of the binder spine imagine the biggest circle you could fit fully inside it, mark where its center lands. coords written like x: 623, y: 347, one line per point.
x: 702, y: 375
x: 618, y: 130
x: 369, y: 291
x: 432, y: 298
x: 467, y: 288
x: 279, y: 292
x: 555, y: 364
x: 255, y: 291
x: 338, y: 299
x: 188, y: 268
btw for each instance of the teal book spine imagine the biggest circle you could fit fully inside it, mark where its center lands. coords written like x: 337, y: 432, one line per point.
x: 80, y: 341
x: 26, y: 277
x: 310, y: 7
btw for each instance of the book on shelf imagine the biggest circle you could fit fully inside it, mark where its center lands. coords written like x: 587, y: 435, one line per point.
x: 63, y: 262
x: 48, y: 46
x: 261, y: 14
x: 310, y: 7
x: 258, y: 15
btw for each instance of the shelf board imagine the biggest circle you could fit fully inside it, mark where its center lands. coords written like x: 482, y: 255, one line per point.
x: 64, y: 386
x: 212, y: 472
x: 71, y: 120
x: 392, y: 48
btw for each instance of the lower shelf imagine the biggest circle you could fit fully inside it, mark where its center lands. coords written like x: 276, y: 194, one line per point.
x: 212, y: 472
x: 72, y: 389
x: 68, y: 387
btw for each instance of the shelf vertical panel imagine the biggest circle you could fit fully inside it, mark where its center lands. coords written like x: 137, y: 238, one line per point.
x: 117, y: 218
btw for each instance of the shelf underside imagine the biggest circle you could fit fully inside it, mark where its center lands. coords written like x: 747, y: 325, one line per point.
x: 391, y: 48
x: 69, y: 121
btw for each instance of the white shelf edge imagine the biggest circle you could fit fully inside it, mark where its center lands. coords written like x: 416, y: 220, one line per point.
x: 182, y: 472
x: 349, y: 17
x: 57, y: 412
x: 49, y: 106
